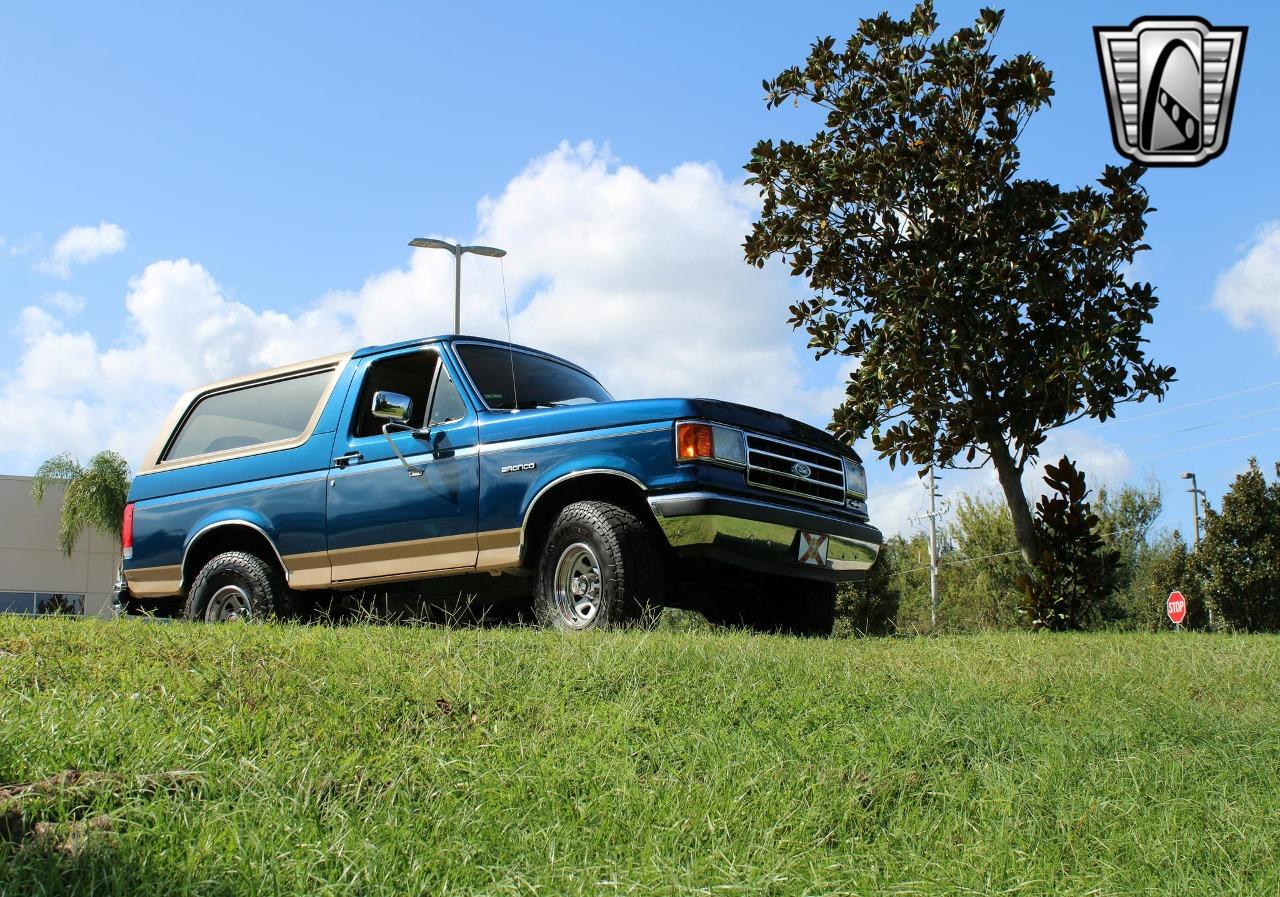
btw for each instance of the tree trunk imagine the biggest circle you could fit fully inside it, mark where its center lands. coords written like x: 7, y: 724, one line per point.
x: 1024, y: 529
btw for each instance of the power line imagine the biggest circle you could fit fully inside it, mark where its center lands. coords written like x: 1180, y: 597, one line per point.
x: 1170, y: 434
x: 1184, y: 407
x: 1141, y: 439
x: 903, y: 488
x: 1204, y: 426
x: 1205, y: 445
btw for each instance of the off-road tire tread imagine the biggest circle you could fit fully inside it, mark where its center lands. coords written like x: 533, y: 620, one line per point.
x: 636, y: 569
x: 268, y: 586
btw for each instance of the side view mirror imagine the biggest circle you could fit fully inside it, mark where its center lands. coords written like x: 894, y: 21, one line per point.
x: 396, y: 408
x: 391, y: 406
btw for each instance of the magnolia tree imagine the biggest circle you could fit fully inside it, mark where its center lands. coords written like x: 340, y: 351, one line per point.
x: 984, y: 309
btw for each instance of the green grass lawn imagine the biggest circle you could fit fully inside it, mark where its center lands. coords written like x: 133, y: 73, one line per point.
x: 262, y: 760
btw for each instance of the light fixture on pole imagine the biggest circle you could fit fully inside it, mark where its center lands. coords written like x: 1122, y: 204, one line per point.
x: 458, y: 252
x: 1197, y: 495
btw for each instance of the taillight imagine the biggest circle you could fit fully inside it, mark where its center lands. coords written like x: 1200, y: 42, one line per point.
x: 126, y: 532
x: 694, y: 441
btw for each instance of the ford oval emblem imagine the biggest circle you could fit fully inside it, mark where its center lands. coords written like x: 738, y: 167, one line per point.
x: 801, y: 470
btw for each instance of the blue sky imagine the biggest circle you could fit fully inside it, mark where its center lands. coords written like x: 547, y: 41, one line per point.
x: 289, y: 151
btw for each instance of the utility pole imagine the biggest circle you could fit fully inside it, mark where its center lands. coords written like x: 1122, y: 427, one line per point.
x: 933, y: 551
x: 932, y: 515
x: 1197, y: 495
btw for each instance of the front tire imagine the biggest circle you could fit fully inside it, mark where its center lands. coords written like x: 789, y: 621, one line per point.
x: 236, y: 587
x: 600, y: 568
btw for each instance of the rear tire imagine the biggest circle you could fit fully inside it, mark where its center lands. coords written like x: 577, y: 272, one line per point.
x: 236, y: 586
x: 600, y: 568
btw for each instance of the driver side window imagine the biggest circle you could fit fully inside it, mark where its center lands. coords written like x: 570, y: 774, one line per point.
x: 409, y: 375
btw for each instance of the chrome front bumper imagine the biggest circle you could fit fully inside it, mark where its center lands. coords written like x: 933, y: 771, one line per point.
x: 764, y: 536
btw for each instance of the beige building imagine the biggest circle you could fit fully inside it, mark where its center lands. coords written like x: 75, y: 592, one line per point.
x: 34, y: 573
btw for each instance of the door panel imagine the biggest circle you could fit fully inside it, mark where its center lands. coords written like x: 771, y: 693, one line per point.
x: 384, y: 522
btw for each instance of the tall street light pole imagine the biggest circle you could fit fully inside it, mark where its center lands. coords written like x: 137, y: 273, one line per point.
x: 1196, y: 496
x: 458, y: 252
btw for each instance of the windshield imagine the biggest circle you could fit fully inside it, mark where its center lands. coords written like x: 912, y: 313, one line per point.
x: 539, y: 382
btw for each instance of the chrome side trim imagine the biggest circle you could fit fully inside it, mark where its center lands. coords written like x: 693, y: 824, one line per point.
x: 186, y: 498
x: 527, y: 442
x: 182, y: 583
x: 558, y: 480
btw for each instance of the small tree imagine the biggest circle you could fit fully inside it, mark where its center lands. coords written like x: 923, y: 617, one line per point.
x: 1075, y: 572
x: 985, y: 589
x: 1238, y: 562
x: 95, y: 496
x: 984, y: 310
x: 1127, y: 516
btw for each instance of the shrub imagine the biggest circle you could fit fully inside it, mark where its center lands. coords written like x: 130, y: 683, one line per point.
x: 1075, y: 571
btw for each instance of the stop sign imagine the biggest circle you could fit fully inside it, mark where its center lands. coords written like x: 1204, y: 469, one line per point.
x: 1176, y: 607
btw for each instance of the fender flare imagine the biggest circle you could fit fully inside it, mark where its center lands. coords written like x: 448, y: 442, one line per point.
x: 562, y: 476
x: 231, y: 517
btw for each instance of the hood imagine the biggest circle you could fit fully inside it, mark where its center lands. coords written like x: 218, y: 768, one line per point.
x: 571, y: 418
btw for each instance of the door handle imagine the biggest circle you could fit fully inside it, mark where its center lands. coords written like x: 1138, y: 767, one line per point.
x: 348, y: 459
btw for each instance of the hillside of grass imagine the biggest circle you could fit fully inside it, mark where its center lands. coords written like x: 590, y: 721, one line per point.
x: 142, y: 758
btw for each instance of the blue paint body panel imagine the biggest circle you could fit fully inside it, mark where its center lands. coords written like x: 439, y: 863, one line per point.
x: 307, y: 504
x: 376, y: 502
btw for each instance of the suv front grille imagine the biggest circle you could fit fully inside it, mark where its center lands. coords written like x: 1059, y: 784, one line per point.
x: 771, y: 464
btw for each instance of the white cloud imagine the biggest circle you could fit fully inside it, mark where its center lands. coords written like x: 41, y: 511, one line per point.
x: 68, y: 303
x: 640, y: 279
x: 83, y: 244
x: 25, y: 246
x: 1248, y: 292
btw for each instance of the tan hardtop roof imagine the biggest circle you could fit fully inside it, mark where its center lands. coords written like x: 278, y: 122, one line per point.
x: 151, y: 462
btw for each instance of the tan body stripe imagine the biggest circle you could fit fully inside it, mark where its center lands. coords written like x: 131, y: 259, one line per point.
x: 155, y: 582
x: 367, y: 564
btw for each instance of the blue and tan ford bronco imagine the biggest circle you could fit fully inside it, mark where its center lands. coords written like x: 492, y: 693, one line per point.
x: 465, y: 466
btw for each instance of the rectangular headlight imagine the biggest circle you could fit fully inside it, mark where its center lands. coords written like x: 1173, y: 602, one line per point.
x: 855, y: 478
x: 697, y: 441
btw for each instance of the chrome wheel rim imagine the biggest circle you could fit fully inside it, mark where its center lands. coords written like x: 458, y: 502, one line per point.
x: 230, y: 604
x: 578, y: 585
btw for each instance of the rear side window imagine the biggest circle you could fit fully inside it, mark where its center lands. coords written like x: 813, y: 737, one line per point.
x: 250, y: 415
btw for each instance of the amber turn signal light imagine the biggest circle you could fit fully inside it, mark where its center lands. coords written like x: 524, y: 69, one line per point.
x: 694, y: 441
